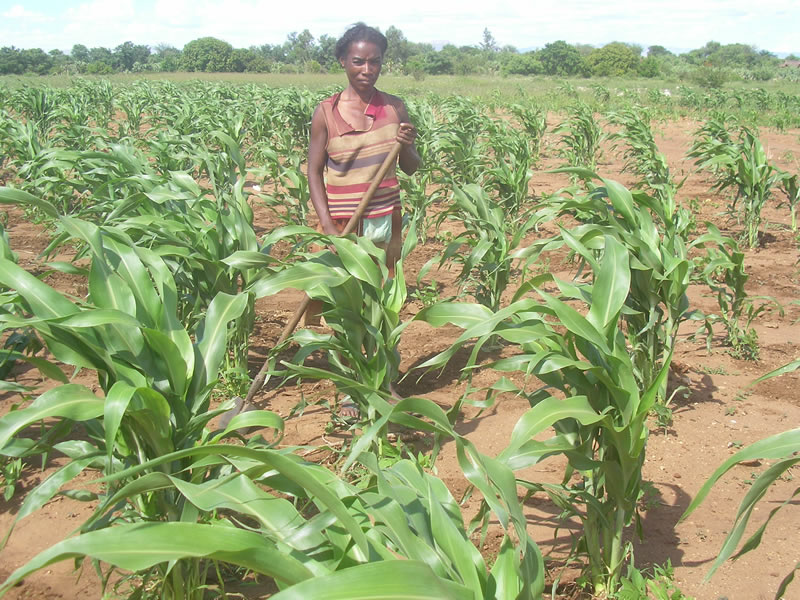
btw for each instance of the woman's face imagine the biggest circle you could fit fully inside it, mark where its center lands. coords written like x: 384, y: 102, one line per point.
x: 363, y: 65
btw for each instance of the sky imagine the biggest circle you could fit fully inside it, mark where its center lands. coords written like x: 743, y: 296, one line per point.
x: 678, y: 25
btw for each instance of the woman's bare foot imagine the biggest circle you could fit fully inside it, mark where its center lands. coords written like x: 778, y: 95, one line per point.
x: 348, y: 410
x: 396, y: 397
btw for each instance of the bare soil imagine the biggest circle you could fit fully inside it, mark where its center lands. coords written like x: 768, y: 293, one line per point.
x: 719, y: 412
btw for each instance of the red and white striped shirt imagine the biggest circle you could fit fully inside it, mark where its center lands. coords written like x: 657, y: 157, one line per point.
x: 354, y: 157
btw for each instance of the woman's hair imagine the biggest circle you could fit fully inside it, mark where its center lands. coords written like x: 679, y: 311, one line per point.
x: 360, y: 33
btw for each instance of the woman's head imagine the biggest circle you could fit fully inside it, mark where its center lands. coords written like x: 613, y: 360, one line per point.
x: 360, y: 33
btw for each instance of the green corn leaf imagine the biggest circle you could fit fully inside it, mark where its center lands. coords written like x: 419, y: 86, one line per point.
x: 44, y: 301
x: 788, y: 368
x: 168, y: 357
x: 139, y: 546
x: 44, y: 492
x: 277, y: 516
x: 248, y: 259
x: 385, y: 580
x: 546, y: 413
x: 253, y: 418
x: 622, y: 201
x: 117, y: 401
x: 130, y: 267
x: 19, y: 197
x: 610, y: 289
x: 302, y: 474
x: 151, y: 420
x: 461, y: 314
x: 69, y: 401
x: 505, y: 572
x: 782, y: 445
x: 577, y: 323
x: 46, y: 368
x: 357, y: 261
x: 213, y: 332
x: 757, y: 490
x: 306, y: 276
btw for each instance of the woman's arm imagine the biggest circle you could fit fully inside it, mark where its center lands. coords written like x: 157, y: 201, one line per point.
x: 406, y: 134
x: 317, y: 157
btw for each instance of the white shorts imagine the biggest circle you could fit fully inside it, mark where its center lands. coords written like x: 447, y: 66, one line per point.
x: 378, y: 230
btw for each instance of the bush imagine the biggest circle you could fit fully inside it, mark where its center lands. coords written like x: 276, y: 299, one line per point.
x: 312, y: 66
x: 98, y: 68
x: 650, y: 67
x: 523, y: 64
x: 612, y: 60
x: 709, y: 77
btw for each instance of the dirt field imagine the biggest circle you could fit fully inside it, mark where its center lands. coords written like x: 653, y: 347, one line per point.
x: 718, y: 413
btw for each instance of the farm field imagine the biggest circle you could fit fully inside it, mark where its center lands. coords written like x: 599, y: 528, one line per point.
x: 242, y: 148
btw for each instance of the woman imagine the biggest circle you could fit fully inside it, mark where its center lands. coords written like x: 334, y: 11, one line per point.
x: 352, y: 132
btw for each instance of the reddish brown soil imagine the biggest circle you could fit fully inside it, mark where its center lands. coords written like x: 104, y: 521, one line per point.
x: 718, y: 413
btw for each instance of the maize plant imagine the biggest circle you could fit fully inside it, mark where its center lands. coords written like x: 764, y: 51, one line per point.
x: 790, y: 187
x: 657, y: 301
x: 754, y: 178
x: 713, y: 139
x: 418, y: 194
x: 601, y: 421
x: 193, y: 236
x: 509, y: 171
x: 39, y: 107
x: 485, y: 251
x: 642, y: 156
x: 361, y: 306
x: 725, y: 274
x: 580, y: 137
x: 399, y: 535
x: 156, y: 384
x: 533, y: 121
x: 459, y: 147
x: 743, y: 166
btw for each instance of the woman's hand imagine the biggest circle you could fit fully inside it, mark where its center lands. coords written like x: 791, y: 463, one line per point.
x: 406, y: 134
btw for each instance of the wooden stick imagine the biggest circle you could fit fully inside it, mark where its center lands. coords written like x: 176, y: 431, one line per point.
x: 260, y: 378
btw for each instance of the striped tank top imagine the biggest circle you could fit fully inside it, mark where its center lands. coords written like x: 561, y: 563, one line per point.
x: 355, y: 156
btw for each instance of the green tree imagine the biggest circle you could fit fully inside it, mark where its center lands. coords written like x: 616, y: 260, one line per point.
x: 59, y: 60
x: 165, y: 58
x: 436, y: 63
x: 243, y: 60
x: 36, y: 60
x: 489, y: 44
x: 649, y: 67
x: 560, y: 58
x: 300, y: 47
x: 468, y: 59
x: 399, y: 50
x: 325, y: 52
x: 207, y: 54
x: 523, y: 64
x: 126, y: 55
x: 80, y: 53
x: 700, y: 55
x: 656, y: 51
x: 101, y: 55
x: 613, y: 60
x: 11, y: 61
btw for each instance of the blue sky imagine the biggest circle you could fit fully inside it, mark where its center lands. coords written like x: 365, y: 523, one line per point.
x: 678, y: 24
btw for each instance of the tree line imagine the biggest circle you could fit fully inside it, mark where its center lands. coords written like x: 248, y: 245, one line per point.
x: 302, y: 53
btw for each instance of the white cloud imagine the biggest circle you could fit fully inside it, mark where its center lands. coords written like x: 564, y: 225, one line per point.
x: 18, y: 11
x: 101, y: 12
